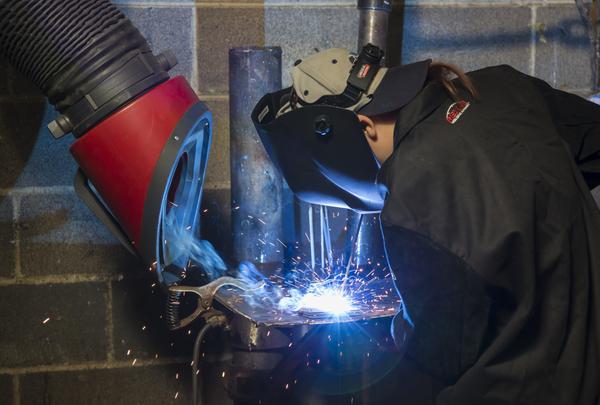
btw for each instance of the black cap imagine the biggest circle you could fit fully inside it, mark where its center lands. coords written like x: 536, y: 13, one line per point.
x: 397, y: 88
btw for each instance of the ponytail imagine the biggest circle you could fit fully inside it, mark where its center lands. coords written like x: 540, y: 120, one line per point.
x: 442, y: 72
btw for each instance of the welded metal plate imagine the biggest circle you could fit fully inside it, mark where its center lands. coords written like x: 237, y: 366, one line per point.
x: 378, y: 301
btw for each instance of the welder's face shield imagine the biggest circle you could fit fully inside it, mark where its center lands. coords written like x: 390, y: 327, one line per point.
x: 322, y: 153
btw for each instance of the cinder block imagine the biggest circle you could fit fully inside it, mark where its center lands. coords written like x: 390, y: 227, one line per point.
x: 60, y: 235
x: 6, y: 389
x: 30, y: 155
x: 218, y: 30
x: 563, y: 50
x: 218, y: 161
x: 167, y: 28
x: 301, y: 30
x: 13, y: 83
x: 139, y: 328
x: 7, y: 238
x: 122, y: 386
x: 471, y: 37
x: 52, y: 324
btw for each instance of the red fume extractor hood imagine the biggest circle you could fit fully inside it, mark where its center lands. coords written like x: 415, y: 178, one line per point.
x: 142, y: 138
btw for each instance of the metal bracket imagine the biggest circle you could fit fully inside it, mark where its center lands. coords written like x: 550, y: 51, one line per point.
x: 93, y: 202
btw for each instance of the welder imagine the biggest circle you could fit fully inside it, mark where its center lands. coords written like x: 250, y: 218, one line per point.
x: 483, y: 183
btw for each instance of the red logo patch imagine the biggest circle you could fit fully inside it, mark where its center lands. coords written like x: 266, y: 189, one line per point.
x: 456, y: 110
x: 364, y: 70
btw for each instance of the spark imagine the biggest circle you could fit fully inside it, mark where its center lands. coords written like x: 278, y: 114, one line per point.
x: 45, y: 321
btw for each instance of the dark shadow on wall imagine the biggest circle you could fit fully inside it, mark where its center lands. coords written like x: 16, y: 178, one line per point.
x: 395, y: 33
x: 566, y: 32
x: 417, y: 30
x: 22, y: 109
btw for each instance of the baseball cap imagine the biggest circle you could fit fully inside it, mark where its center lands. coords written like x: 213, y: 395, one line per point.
x: 337, y: 77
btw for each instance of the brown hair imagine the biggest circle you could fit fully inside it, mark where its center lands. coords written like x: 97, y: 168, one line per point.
x: 442, y: 72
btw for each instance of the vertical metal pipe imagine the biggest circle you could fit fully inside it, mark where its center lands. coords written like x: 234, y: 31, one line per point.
x: 256, y: 185
x: 368, y: 250
x: 373, y: 22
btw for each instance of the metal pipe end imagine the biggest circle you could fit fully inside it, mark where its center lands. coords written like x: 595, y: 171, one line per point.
x: 275, y: 50
x: 381, y: 5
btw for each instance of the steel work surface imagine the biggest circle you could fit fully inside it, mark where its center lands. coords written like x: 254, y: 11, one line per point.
x: 380, y: 300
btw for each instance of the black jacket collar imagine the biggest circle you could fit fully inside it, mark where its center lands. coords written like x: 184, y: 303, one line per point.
x: 425, y: 103
x: 422, y: 106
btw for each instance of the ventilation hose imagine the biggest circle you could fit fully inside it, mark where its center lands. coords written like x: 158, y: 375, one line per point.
x: 84, y: 55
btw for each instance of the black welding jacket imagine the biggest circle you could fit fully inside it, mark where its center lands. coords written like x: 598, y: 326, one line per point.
x: 494, y: 241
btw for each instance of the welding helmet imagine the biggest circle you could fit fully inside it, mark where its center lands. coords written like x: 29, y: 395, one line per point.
x: 311, y: 129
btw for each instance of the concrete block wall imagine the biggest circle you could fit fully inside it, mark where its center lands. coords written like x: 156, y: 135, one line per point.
x: 80, y: 319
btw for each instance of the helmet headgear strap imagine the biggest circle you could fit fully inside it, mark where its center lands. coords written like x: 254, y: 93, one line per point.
x: 363, y: 73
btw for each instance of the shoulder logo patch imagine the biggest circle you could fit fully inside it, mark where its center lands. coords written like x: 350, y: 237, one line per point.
x: 456, y: 110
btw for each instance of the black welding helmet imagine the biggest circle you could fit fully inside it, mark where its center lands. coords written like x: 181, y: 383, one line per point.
x: 312, y: 133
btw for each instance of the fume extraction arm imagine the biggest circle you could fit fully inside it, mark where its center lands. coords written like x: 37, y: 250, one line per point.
x: 141, y: 137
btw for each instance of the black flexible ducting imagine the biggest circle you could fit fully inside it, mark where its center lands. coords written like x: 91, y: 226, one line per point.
x: 84, y: 55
